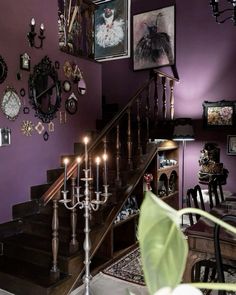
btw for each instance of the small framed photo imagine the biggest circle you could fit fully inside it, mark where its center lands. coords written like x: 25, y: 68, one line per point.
x: 112, y: 29
x: 231, y: 145
x: 154, y: 38
x: 25, y: 62
x: 219, y: 113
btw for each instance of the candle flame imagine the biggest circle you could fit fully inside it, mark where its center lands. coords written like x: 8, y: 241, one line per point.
x: 98, y: 160
x: 66, y: 161
x: 86, y: 140
x: 105, y: 157
x: 78, y: 159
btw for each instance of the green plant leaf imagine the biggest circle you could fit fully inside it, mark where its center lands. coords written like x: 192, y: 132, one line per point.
x: 162, y: 244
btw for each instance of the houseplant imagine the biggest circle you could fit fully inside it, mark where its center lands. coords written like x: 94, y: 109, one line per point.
x: 164, y: 247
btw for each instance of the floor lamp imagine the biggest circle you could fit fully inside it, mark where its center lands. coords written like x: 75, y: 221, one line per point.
x: 183, y: 131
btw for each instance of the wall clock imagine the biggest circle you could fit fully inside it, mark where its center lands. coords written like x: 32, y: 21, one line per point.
x: 71, y: 104
x: 11, y: 103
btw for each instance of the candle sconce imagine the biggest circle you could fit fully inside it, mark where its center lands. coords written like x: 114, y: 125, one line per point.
x: 84, y: 201
x: 32, y: 34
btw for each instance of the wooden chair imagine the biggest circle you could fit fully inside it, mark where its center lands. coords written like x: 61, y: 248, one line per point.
x: 220, y: 266
x: 205, y: 267
x: 195, y: 199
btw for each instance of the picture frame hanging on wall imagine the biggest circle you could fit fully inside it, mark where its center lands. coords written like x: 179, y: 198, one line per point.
x: 231, y: 145
x: 112, y: 30
x: 154, y: 38
x: 219, y: 114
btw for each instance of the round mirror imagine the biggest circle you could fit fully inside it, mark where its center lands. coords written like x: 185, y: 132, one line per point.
x: 11, y: 103
x: 45, y: 91
x: 82, y: 87
x: 3, y: 69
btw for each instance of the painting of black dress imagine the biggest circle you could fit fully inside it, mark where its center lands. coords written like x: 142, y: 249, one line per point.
x: 112, y: 30
x: 154, y: 38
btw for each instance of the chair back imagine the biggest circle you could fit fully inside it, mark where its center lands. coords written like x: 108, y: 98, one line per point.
x: 219, y: 263
x: 195, y: 200
x: 216, y: 187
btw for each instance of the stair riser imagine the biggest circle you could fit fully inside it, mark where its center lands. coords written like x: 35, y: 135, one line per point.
x: 33, y: 256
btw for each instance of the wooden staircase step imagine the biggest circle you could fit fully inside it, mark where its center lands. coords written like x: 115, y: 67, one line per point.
x: 53, y: 174
x: 37, y: 191
x: 29, y: 241
x: 27, y: 279
x: 25, y: 209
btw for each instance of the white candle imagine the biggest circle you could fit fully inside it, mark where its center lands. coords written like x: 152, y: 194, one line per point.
x: 97, y: 182
x: 86, y: 140
x: 78, y: 170
x: 105, y: 168
x: 66, y: 161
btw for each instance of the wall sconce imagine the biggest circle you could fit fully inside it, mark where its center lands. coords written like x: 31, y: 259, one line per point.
x: 5, y: 136
x: 217, y: 13
x: 31, y: 35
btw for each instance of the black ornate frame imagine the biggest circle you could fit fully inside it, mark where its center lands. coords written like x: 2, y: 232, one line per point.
x: 4, y: 67
x: 44, y: 69
x: 220, y: 114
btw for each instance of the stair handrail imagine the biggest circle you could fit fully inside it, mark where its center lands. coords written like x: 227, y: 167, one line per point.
x: 54, y: 189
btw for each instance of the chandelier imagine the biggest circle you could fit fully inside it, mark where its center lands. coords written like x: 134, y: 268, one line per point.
x: 223, y: 15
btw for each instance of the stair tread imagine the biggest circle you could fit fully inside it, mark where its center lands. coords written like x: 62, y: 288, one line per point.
x: 25, y: 240
x: 29, y: 272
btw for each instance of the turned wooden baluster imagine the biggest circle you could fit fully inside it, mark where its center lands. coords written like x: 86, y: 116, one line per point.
x: 139, y: 147
x: 172, y: 100
x: 147, y: 114
x: 73, y: 218
x: 129, y: 141
x: 164, y: 113
x: 55, y: 240
x: 118, y: 180
x: 156, y: 109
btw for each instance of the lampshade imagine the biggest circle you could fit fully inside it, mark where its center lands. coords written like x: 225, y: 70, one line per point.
x: 183, y: 129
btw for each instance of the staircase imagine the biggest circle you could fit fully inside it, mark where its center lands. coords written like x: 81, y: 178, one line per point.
x: 41, y: 249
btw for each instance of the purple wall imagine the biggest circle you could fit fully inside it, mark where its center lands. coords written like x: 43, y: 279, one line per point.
x: 205, y: 59
x: 25, y: 161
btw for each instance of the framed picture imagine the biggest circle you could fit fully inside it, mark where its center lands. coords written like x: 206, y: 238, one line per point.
x: 25, y: 62
x: 231, y: 145
x: 154, y: 38
x: 219, y: 114
x: 112, y: 30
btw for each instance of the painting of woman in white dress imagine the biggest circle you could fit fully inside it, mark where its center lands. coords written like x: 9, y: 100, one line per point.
x: 111, y: 30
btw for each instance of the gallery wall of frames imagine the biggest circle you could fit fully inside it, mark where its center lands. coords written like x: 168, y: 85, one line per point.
x: 45, y: 98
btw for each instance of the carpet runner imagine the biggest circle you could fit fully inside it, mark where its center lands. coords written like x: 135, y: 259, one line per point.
x: 128, y: 268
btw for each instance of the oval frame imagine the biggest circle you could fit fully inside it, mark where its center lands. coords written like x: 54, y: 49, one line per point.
x: 44, y: 68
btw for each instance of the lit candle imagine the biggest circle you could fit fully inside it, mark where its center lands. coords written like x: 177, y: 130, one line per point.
x: 86, y: 140
x: 32, y: 23
x: 105, y: 168
x: 78, y: 171
x: 97, y: 162
x: 66, y: 161
x: 41, y: 29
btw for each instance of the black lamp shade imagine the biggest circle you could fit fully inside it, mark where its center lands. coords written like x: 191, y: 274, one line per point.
x: 183, y: 130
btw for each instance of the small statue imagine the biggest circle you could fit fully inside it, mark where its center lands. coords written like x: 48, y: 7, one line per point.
x: 148, y: 177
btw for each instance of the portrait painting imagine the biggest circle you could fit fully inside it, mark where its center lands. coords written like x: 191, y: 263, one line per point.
x: 231, y: 145
x: 112, y: 30
x: 154, y: 38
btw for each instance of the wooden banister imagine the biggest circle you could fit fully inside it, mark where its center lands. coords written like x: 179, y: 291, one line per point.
x: 56, y: 186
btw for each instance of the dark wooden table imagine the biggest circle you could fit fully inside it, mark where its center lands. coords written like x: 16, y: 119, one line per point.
x: 201, y: 239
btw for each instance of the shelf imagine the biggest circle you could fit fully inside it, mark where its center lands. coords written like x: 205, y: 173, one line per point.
x: 130, y: 217
x: 167, y: 168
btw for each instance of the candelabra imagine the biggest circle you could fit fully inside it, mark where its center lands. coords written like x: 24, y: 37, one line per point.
x: 217, y: 13
x: 85, y: 202
x: 31, y: 35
